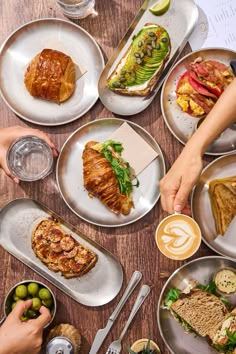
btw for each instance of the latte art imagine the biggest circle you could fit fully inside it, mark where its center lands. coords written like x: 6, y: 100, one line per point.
x: 178, y: 236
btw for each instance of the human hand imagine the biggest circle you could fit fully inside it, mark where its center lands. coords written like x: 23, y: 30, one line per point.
x: 9, y: 135
x: 17, y: 337
x: 177, y: 184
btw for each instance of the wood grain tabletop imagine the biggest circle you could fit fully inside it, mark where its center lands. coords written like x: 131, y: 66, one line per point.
x: 134, y: 245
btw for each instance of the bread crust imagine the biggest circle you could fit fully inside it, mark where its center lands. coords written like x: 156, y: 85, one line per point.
x: 152, y: 82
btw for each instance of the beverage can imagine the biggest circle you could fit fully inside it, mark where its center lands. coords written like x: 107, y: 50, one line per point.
x: 60, y: 345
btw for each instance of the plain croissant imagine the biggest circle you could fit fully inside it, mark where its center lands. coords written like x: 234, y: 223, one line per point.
x: 51, y: 76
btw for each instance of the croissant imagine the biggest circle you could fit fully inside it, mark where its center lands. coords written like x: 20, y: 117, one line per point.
x: 101, y: 182
x: 51, y: 76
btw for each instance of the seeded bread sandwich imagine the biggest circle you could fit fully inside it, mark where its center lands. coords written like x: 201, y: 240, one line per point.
x: 203, y: 311
x: 140, y: 68
x: 200, y: 309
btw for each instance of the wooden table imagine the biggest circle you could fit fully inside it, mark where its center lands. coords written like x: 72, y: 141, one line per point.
x: 134, y: 245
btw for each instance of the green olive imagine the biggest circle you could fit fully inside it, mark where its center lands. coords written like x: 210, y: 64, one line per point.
x: 15, y: 298
x: 21, y: 291
x: 31, y: 313
x: 33, y: 288
x: 47, y: 302
x: 24, y: 318
x: 13, y: 305
x: 44, y: 294
x: 36, y: 304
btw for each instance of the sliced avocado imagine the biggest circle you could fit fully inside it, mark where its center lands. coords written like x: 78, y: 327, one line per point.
x: 148, y: 49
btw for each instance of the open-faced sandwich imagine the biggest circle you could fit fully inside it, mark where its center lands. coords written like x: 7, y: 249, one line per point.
x: 222, y: 192
x: 140, y: 68
x: 107, y: 176
x: 206, y: 313
x: 60, y: 251
x: 51, y: 76
x: 201, y: 85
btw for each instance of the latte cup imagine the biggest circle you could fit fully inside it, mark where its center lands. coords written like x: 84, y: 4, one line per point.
x: 178, y: 236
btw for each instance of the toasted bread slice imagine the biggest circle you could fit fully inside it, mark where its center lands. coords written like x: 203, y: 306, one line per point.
x: 139, y: 69
x: 60, y: 251
x: 201, y: 310
x: 222, y: 194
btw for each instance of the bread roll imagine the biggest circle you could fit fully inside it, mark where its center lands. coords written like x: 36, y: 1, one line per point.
x: 51, y: 76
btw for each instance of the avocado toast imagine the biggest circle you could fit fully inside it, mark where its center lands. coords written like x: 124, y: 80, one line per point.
x: 140, y: 68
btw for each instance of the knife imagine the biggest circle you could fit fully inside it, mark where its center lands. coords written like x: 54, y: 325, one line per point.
x: 102, y: 333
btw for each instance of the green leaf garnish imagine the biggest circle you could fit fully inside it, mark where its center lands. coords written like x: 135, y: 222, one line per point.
x: 171, y: 297
x: 211, y: 288
x: 230, y: 345
x: 120, y: 166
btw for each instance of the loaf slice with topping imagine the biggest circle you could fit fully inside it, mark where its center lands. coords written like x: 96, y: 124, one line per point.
x: 140, y: 68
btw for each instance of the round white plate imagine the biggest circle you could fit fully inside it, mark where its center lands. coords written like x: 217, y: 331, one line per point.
x: 177, y: 340
x: 69, y: 174
x: 29, y: 40
x: 181, y: 124
x: 224, y: 166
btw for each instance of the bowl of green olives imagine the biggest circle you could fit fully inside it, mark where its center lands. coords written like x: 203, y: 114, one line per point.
x: 39, y: 293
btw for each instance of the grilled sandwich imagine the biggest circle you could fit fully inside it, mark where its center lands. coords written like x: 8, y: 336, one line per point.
x: 222, y: 194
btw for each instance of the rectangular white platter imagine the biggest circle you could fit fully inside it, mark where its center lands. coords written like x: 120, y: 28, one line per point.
x: 98, y: 287
x: 179, y: 21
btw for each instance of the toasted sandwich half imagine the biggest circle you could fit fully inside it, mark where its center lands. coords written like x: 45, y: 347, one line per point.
x: 199, y: 311
x: 140, y: 68
x: 222, y: 193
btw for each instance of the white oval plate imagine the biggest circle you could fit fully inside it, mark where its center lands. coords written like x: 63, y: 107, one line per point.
x: 22, y: 46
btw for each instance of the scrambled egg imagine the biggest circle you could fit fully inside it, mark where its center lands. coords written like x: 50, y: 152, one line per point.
x: 185, y: 102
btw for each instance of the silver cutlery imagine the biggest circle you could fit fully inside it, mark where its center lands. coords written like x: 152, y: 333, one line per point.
x: 102, y: 333
x: 115, y: 347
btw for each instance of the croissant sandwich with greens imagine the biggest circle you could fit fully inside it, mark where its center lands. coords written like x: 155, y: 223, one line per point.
x: 107, y: 176
x: 51, y: 76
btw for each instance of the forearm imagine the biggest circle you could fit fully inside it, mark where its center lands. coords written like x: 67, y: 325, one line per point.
x: 221, y: 116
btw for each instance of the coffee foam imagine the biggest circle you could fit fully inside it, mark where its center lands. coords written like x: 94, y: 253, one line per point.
x: 178, y: 236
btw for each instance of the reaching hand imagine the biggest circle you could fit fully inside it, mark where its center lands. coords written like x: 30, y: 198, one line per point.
x: 17, y: 337
x: 9, y: 135
x: 177, y: 184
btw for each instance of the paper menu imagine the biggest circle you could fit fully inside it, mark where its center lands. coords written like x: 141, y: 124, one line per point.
x: 216, y: 26
x: 136, y: 151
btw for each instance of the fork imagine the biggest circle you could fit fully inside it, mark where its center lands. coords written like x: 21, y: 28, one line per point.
x: 115, y: 347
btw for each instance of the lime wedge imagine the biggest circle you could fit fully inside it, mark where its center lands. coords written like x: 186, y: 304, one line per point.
x: 160, y: 7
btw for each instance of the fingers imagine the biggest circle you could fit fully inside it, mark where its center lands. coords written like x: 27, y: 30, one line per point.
x: 20, y: 307
x: 181, y: 198
x: 44, y: 318
x: 4, y: 166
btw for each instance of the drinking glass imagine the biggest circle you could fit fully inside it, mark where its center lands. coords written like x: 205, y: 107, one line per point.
x: 76, y: 9
x: 30, y: 158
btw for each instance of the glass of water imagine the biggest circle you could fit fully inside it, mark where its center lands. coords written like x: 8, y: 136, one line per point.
x: 30, y: 158
x: 76, y: 9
